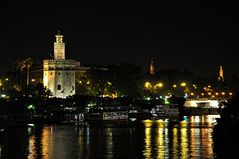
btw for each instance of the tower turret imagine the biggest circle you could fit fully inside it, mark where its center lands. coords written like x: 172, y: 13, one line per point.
x: 59, y: 47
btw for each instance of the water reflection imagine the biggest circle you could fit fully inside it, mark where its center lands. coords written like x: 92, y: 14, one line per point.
x: 184, y: 143
x: 46, y: 142
x: 32, y: 147
x: 190, y: 138
x: 0, y: 151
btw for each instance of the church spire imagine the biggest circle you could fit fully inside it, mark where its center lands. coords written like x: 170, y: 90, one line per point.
x: 221, y: 77
x: 151, y: 68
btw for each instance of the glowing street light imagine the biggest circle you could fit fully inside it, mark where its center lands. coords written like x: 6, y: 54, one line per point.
x: 109, y: 83
x: 174, y: 86
x: 195, y: 86
x: 183, y: 84
x: 147, y: 85
x: 160, y: 85
x: 230, y: 93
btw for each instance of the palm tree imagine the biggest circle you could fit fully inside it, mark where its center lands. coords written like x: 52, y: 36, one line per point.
x: 21, y: 65
x: 28, y: 64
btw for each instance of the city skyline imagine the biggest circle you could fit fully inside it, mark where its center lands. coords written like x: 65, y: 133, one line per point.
x: 110, y: 34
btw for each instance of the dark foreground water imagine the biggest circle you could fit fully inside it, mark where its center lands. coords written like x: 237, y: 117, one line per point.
x: 191, y: 138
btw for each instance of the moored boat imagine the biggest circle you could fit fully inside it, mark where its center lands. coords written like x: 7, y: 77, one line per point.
x: 164, y: 111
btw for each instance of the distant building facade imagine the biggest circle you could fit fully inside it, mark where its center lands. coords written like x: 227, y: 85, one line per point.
x: 59, y: 73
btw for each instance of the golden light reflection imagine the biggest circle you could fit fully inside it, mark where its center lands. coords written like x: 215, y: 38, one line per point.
x: 46, y: 142
x: 160, y: 123
x: 202, y: 119
x: 195, y: 144
x: 175, y: 143
x: 192, y: 119
x: 148, y: 149
x: 206, y: 142
x: 32, y: 148
x: 184, y: 143
x: 148, y: 123
x: 160, y: 143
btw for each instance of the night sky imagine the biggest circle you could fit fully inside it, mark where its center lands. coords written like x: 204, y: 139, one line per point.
x: 193, y: 35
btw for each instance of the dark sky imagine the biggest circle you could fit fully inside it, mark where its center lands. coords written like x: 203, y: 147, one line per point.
x: 194, y: 35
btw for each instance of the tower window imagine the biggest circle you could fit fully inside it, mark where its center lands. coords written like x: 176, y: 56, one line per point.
x: 73, y: 88
x: 51, y: 73
x: 59, y: 73
x: 58, y: 87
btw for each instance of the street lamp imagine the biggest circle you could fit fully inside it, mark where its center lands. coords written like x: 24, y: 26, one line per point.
x: 183, y: 84
x: 147, y: 85
x: 160, y: 85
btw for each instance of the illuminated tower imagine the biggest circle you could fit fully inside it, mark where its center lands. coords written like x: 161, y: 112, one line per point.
x: 151, y: 68
x: 221, y: 77
x: 59, y: 47
x: 59, y: 73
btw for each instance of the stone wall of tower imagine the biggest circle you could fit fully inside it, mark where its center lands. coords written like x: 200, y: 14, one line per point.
x: 59, y: 77
x: 59, y: 51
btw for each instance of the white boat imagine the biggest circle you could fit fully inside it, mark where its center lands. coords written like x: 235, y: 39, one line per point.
x: 164, y: 111
x: 202, y: 103
x: 107, y: 116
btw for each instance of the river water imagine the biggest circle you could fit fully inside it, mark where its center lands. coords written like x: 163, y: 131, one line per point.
x: 190, y: 138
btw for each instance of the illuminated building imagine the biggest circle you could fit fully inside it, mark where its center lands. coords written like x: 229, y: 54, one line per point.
x: 151, y: 68
x: 59, y: 73
x: 221, y: 77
